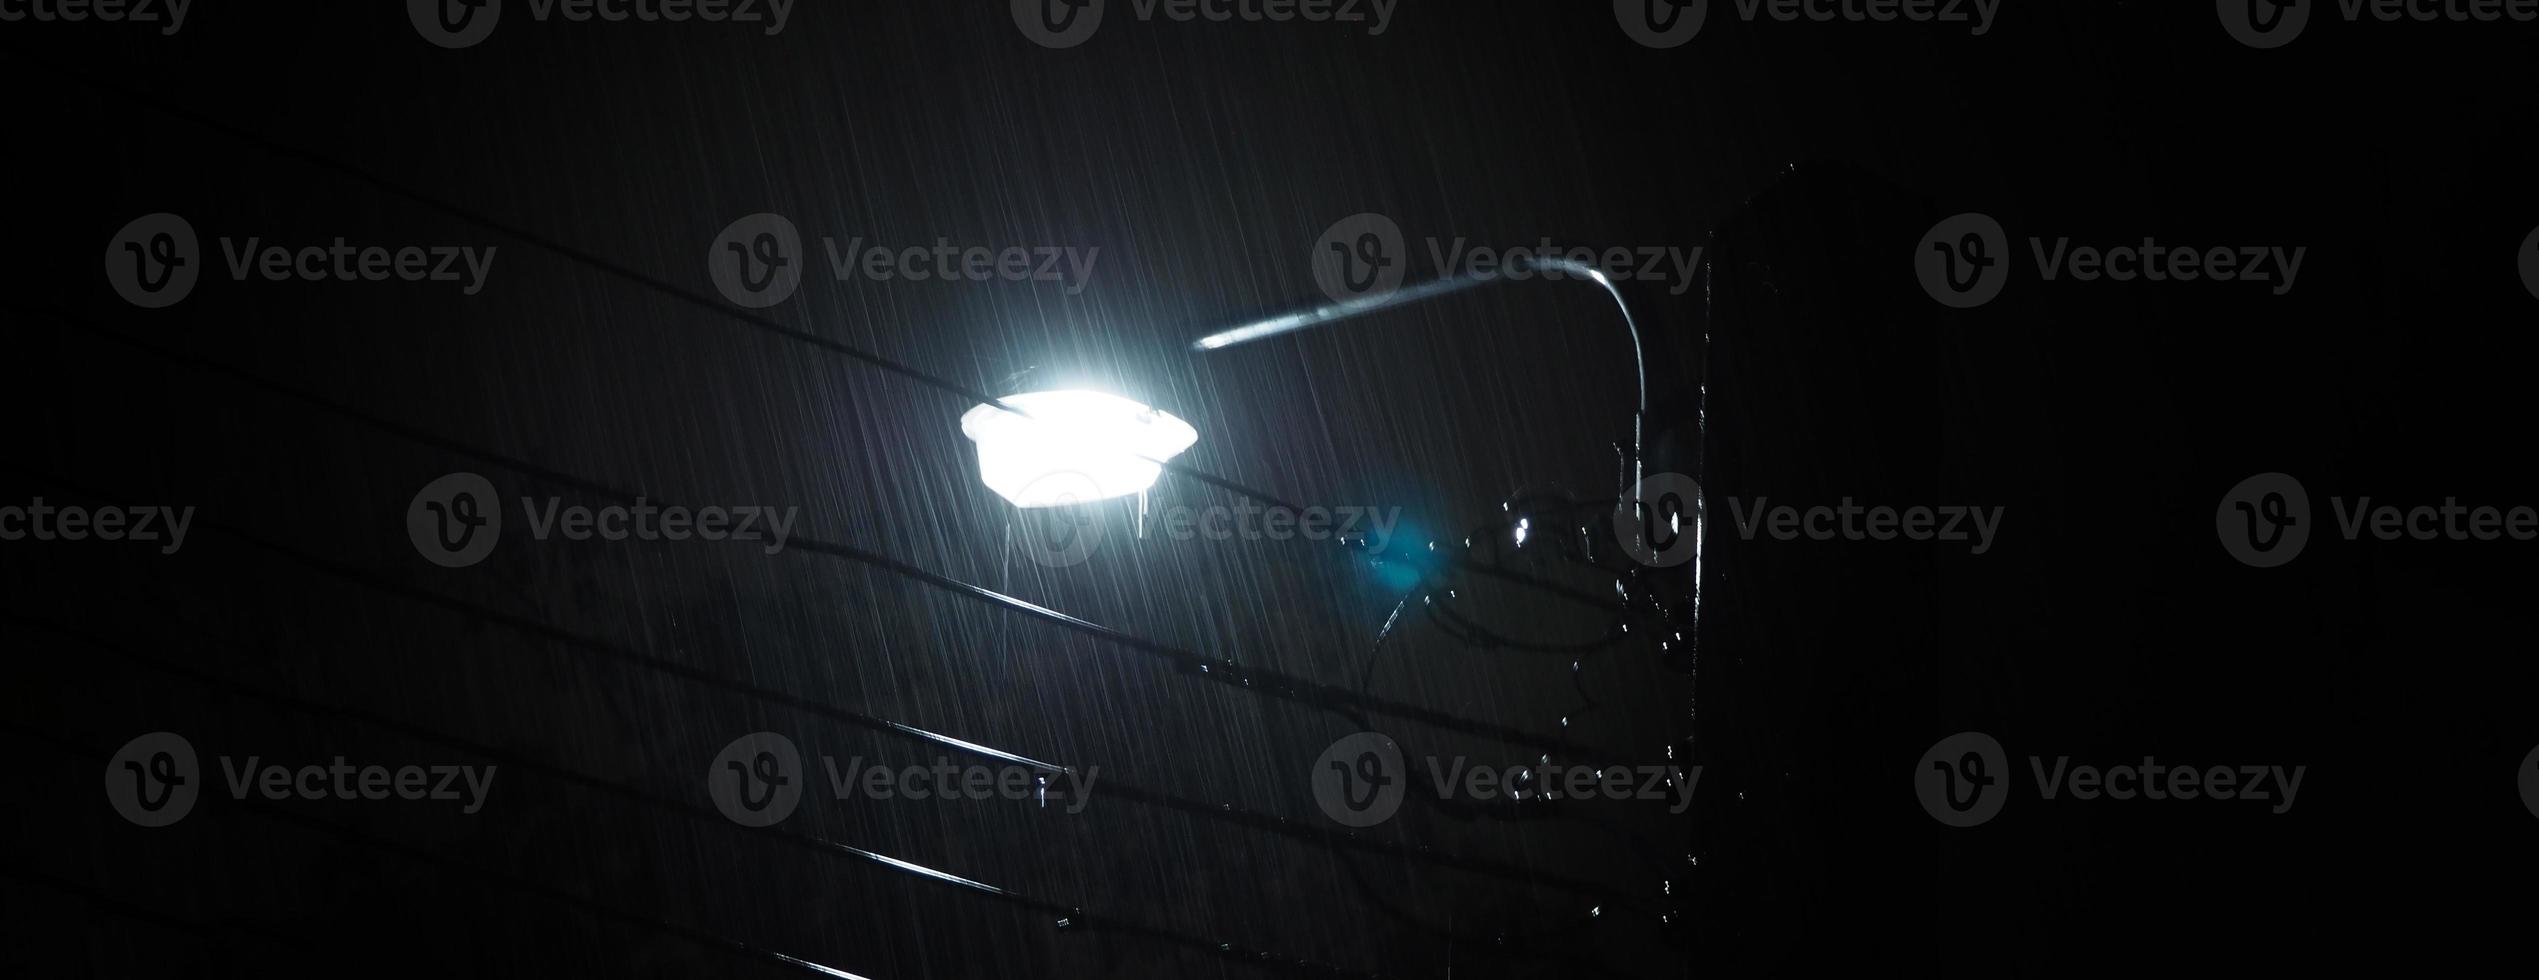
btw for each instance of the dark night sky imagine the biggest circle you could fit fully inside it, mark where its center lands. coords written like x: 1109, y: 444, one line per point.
x: 1203, y: 160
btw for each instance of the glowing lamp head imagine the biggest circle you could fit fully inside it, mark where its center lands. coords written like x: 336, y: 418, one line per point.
x: 1058, y: 448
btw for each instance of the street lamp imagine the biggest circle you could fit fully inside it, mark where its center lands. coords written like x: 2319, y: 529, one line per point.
x: 1052, y: 449
x: 1074, y: 446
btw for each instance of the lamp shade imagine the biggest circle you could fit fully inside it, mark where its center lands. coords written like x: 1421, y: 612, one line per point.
x: 1057, y: 448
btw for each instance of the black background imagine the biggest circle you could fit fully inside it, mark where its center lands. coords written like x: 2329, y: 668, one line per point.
x: 2108, y: 419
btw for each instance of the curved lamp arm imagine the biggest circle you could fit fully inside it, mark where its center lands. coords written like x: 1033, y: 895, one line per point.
x: 1317, y: 316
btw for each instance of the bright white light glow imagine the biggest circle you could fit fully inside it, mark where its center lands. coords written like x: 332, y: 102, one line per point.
x: 1072, y: 447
